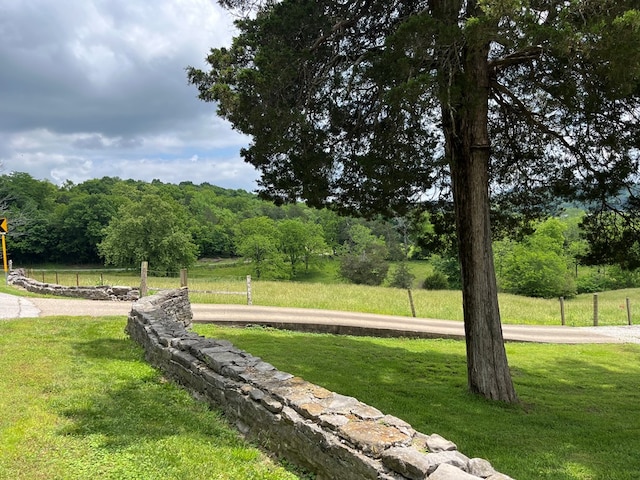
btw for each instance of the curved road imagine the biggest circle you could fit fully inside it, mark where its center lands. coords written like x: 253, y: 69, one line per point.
x: 327, y: 321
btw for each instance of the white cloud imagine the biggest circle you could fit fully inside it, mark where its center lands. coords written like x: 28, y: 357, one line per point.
x: 91, y: 88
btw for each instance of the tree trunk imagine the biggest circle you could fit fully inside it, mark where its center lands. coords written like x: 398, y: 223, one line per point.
x: 465, y: 119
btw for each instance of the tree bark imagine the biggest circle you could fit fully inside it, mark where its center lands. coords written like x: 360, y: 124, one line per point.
x: 465, y: 124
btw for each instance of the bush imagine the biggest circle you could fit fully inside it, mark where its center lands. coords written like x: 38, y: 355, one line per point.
x: 450, y: 268
x: 611, y: 279
x: 364, y: 269
x: 436, y: 281
x: 536, y: 273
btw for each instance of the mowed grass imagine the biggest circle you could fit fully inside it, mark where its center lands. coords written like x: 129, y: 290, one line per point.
x: 77, y: 401
x: 441, y: 304
x: 577, y: 420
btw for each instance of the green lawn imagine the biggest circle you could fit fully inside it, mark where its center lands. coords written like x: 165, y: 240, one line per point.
x: 579, y: 411
x: 77, y: 401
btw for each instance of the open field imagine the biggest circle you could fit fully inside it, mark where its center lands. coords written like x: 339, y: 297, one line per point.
x: 442, y: 304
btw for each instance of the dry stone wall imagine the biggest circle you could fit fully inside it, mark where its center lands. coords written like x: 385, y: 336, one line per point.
x: 102, y: 292
x: 335, y: 436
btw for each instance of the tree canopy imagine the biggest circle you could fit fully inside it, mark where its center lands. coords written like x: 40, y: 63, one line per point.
x: 373, y: 106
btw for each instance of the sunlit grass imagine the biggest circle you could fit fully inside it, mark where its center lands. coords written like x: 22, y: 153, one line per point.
x: 77, y: 401
x: 576, y: 420
x: 441, y: 304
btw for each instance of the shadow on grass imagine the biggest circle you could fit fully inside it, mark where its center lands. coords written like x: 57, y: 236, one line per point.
x: 109, y: 349
x: 121, y: 404
x: 130, y: 403
x: 574, y: 422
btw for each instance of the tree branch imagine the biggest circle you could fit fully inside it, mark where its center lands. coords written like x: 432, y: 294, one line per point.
x: 530, y: 117
x: 526, y: 55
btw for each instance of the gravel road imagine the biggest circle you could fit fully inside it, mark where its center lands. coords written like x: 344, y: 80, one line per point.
x: 12, y: 306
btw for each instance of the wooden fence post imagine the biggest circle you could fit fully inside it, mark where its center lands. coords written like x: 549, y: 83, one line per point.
x: 43, y: 277
x: 629, y: 321
x: 413, y: 308
x: 144, y: 267
x: 595, y: 309
x: 562, y: 317
x: 249, y: 295
x: 57, y: 280
x: 183, y: 278
x: 101, y: 278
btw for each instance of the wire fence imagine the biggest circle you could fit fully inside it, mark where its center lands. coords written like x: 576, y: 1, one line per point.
x: 202, y: 288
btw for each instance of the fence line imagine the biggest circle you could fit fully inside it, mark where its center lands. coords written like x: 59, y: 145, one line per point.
x: 184, y: 282
x: 596, y: 311
x: 70, y: 276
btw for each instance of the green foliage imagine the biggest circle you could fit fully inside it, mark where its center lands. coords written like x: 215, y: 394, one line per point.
x: 65, y: 224
x: 301, y: 242
x: 257, y: 240
x: 612, y: 239
x: 436, y: 281
x: 152, y: 230
x: 449, y: 266
x: 363, y: 257
x: 402, y: 276
x: 538, y: 266
x: 367, y: 268
x: 607, y: 278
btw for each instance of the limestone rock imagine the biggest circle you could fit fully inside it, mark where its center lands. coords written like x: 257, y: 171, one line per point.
x: 449, y: 472
x: 407, y: 461
x: 436, y: 443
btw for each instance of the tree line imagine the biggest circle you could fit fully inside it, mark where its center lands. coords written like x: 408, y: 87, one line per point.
x: 120, y: 223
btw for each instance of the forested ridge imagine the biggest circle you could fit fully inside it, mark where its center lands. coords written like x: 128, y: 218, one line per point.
x: 115, y: 222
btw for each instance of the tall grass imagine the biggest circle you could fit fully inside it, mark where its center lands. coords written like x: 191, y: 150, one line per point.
x: 445, y: 304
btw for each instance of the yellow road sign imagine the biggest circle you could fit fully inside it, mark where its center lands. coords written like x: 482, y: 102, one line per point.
x: 4, y: 228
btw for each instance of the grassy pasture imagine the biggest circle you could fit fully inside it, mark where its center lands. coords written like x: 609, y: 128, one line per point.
x: 444, y: 304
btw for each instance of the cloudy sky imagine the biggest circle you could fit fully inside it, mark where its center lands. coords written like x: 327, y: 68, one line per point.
x: 93, y: 88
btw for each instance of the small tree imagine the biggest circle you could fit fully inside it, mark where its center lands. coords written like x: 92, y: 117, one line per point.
x: 363, y: 258
x: 402, y: 276
x: 263, y: 252
x: 301, y: 243
x: 257, y: 239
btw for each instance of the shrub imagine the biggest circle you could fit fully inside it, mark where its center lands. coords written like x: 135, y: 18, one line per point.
x: 364, y: 269
x: 450, y: 268
x: 436, y: 281
x: 536, y: 273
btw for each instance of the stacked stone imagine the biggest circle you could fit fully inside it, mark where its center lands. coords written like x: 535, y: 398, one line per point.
x: 101, y: 292
x: 332, y: 435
